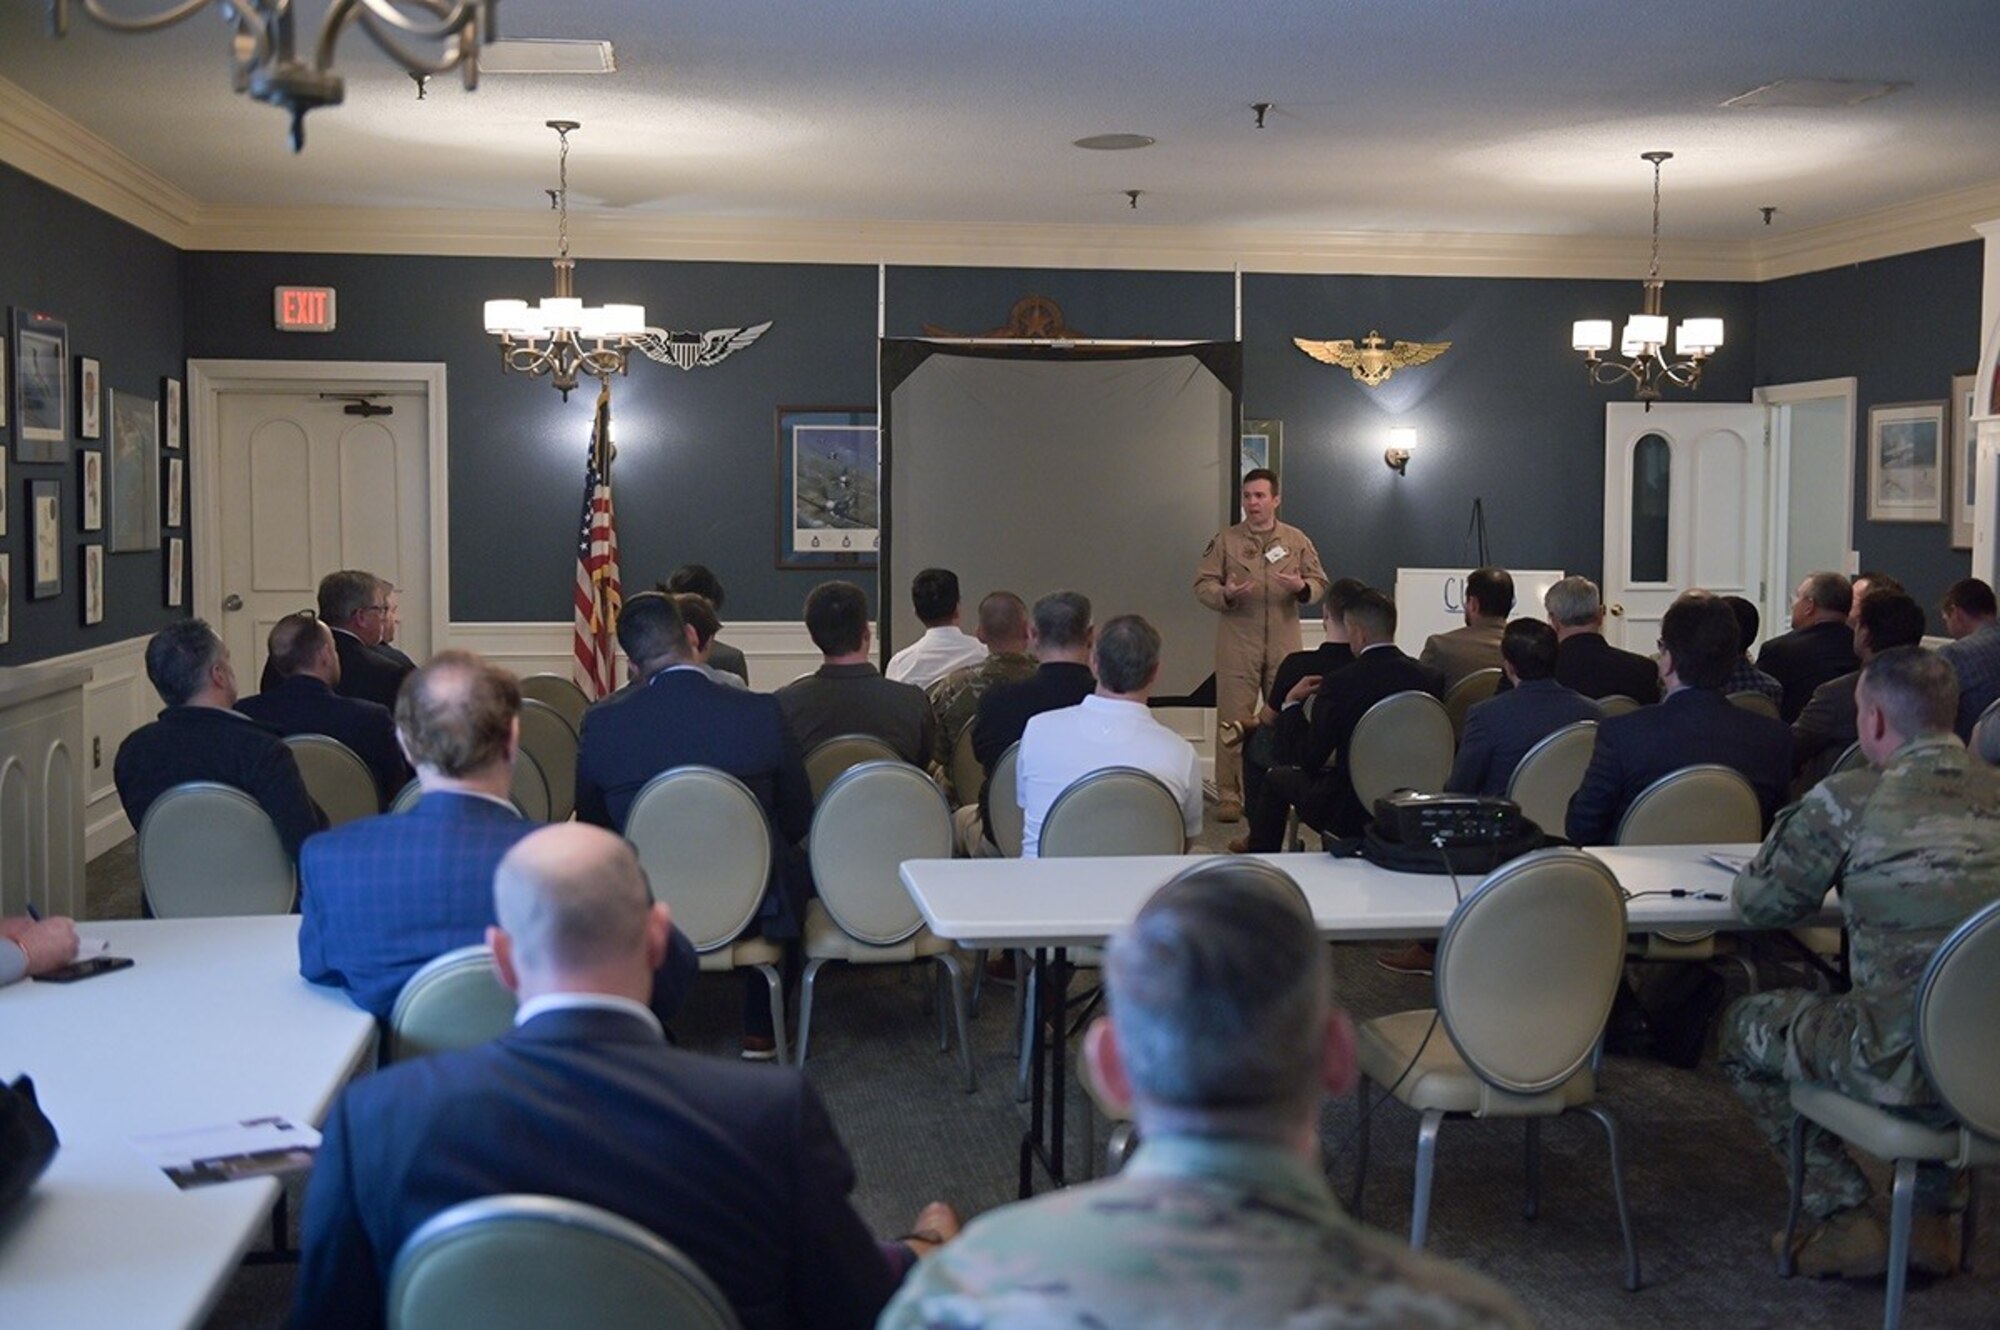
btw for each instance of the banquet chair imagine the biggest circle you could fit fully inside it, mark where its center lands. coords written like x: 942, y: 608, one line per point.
x: 517, y: 1262
x: 1695, y: 805
x: 530, y: 792
x: 1468, y: 693
x: 559, y: 692
x: 706, y: 847
x: 338, y: 780
x: 830, y: 757
x: 1617, y: 704
x: 965, y: 772
x: 1003, y: 802
x: 872, y: 818
x: 1985, y: 743
x: 1851, y: 759
x: 1756, y: 702
x: 549, y: 739
x: 454, y: 1001
x: 1526, y: 971
x: 1550, y: 772
x: 207, y: 849
x: 1403, y: 742
x: 1956, y: 998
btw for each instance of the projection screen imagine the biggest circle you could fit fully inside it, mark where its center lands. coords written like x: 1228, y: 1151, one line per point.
x: 1103, y: 470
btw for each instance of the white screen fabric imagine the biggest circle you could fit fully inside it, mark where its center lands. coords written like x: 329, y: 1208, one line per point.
x: 1097, y: 471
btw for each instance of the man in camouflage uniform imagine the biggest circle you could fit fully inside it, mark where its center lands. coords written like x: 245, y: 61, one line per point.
x: 1255, y: 575
x: 1003, y: 629
x: 1914, y: 846
x: 1218, y: 990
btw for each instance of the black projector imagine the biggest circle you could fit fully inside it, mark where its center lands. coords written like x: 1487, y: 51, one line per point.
x: 1447, y: 820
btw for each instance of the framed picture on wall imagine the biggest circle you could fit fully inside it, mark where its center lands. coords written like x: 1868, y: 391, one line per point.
x: 176, y: 470
x: 170, y: 395
x: 89, y: 398
x: 93, y: 584
x: 45, y: 537
x: 5, y: 396
x: 132, y: 487
x: 829, y: 487
x: 1262, y: 445
x: 41, y: 387
x: 176, y: 556
x: 90, y: 489
x: 1964, y: 459
x: 6, y: 598
x: 1906, y: 462
x: 3, y: 491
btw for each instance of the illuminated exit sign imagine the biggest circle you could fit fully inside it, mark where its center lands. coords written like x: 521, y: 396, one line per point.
x: 303, y: 308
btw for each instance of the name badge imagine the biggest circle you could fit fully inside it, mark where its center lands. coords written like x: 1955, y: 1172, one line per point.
x: 1276, y: 553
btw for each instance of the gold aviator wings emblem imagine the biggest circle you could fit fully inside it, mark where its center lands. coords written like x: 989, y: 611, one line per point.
x: 1372, y: 360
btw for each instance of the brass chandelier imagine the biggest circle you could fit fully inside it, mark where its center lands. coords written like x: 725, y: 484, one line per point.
x: 1642, y: 343
x: 549, y: 336
x: 266, y: 64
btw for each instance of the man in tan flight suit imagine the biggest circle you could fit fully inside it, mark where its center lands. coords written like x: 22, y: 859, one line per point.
x: 1256, y: 575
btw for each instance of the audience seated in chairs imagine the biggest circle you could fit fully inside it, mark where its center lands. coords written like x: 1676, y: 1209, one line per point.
x: 1744, y: 676
x: 303, y: 701
x: 1500, y: 731
x: 1974, y: 650
x: 200, y: 736
x: 1883, y: 619
x: 944, y: 646
x: 847, y: 694
x: 1279, y: 735
x: 737, y: 1167
x: 1003, y: 631
x: 1584, y: 660
x: 384, y: 896
x: 1820, y: 645
x: 1111, y: 728
x: 1914, y: 847
x: 1223, y: 1041
x: 1489, y: 599
x: 360, y: 608
x: 697, y: 580
x: 699, y: 614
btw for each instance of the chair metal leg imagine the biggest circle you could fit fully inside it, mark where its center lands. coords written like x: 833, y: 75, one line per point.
x: 1030, y: 1007
x: 1360, y: 1146
x: 1420, y: 1204
x: 1969, y: 1224
x: 1749, y: 967
x: 1534, y: 1202
x: 1610, y: 1125
x: 777, y: 983
x: 978, y: 980
x: 1089, y: 1132
x: 806, y: 990
x: 1796, y: 1167
x: 943, y: 1016
x: 1119, y: 1145
x: 1902, y: 1208
x: 960, y: 1005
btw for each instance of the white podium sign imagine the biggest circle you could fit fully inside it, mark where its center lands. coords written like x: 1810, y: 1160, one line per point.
x: 1432, y: 600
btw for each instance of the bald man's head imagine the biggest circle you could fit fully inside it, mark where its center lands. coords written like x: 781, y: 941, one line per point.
x: 457, y: 713
x: 576, y: 913
x: 301, y: 644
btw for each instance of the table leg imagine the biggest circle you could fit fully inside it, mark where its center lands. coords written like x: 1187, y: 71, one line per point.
x: 1048, y: 1108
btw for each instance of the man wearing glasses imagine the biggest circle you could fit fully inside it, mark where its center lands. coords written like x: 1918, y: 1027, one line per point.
x: 355, y: 604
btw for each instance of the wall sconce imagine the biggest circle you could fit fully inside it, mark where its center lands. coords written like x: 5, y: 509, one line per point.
x: 1402, y: 441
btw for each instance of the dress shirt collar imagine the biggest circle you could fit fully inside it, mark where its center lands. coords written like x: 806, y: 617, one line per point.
x: 548, y: 1002
x: 1115, y: 706
x: 1271, y: 1170
x: 679, y: 666
x: 461, y: 793
x: 1376, y: 646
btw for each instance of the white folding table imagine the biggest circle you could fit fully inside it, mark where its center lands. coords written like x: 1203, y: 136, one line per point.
x: 211, y: 1025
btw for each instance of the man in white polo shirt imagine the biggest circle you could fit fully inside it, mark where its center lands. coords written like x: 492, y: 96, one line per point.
x: 1110, y: 728
x: 944, y: 646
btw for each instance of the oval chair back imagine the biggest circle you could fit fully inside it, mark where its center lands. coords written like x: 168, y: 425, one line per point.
x: 1851, y: 759
x: 531, y: 788
x: 514, y: 1262
x: 706, y: 847
x: 455, y: 1001
x: 1550, y: 772
x: 207, y: 849
x: 872, y: 818
x: 1617, y: 704
x: 1754, y: 701
x: 1985, y: 743
x: 1956, y: 1000
x: 336, y: 778
x: 554, y: 690
x: 406, y: 798
x: 1119, y: 810
x: 1468, y: 693
x: 966, y: 773
x: 1528, y: 966
x: 1694, y: 806
x: 1403, y: 742
x: 1003, y: 803
x: 832, y: 756
x: 550, y: 739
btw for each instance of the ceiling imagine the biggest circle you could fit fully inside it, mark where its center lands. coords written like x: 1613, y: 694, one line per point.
x: 1404, y: 116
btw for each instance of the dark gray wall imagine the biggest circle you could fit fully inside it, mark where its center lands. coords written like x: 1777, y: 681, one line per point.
x: 1903, y: 327
x: 119, y: 291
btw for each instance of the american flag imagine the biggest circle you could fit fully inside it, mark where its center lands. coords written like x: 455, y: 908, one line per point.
x: 598, y: 596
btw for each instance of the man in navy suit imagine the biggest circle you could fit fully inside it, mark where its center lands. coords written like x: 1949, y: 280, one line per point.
x: 1325, y: 795
x: 681, y: 717
x: 1500, y: 731
x: 304, y: 702
x: 1819, y: 647
x: 738, y: 1168
x: 386, y: 895
x: 1695, y: 724
x: 1584, y: 660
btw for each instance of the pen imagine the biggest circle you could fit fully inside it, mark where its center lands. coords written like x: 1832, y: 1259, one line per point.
x: 33, y: 913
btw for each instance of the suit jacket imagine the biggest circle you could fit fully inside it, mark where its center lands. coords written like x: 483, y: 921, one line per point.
x: 302, y: 704
x: 365, y: 672
x: 1805, y: 658
x: 384, y: 896
x: 1289, y: 731
x: 1500, y: 731
x: 208, y: 743
x: 856, y: 699
x: 1375, y: 674
x: 1464, y: 651
x: 1595, y: 668
x: 1692, y: 726
x: 737, y: 1166
x: 729, y: 660
x: 395, y: 656
x: 1825, y: 728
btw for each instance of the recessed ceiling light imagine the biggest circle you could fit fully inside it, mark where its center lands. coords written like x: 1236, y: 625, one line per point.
x: 1116, y: 142
x: 1821, y: 93
x: 547, y: 55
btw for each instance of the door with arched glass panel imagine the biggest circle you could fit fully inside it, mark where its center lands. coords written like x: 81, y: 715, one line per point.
x: 1683, y: 507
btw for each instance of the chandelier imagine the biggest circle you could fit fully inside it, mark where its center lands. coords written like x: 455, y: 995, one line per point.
x: 1642, y: 343
x: 548, y: 336
x: 266, y: 64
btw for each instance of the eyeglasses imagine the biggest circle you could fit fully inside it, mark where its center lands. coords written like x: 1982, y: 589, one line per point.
x: 377, y: 609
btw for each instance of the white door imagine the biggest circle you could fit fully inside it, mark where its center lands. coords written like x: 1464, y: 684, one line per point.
x: 1684, y: 507
x: 306, y: 487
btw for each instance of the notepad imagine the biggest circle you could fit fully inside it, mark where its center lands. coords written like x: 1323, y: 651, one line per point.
x: 252, y: 1148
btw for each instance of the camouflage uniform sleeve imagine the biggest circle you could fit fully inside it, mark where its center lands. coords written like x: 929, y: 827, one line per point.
x: 1802, y: 857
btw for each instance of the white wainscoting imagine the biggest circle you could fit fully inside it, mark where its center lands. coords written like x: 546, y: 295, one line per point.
x: 117, y: 700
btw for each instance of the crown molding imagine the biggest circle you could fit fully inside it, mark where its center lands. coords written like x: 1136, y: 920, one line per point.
x: 1951, y: 218
x: 38, y: 139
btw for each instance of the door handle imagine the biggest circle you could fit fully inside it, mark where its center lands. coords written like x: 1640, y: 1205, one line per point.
x: 1616, y: 611
x: 232, y: 602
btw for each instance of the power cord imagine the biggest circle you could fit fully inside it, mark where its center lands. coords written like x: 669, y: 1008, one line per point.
x: 1678, y: 893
